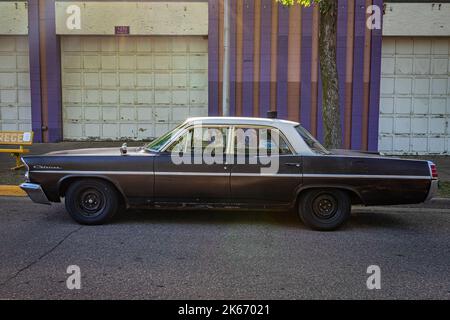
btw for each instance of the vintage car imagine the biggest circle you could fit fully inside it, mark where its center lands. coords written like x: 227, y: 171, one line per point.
x: 227, y: 162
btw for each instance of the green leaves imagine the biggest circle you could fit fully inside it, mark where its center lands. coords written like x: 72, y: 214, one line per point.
x: 305, y: 3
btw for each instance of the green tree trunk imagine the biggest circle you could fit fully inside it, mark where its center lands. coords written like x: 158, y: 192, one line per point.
x: 328, y: 71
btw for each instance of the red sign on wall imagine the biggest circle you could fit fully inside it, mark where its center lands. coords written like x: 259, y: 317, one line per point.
x: 122, y: 30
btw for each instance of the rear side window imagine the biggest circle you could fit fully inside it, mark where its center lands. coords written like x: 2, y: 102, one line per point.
x: 259, y: 141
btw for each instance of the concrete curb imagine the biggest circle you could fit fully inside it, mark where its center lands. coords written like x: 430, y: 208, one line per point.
x: 11, y: 191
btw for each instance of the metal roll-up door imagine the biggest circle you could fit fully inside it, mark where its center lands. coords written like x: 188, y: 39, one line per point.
x: 131, y: 87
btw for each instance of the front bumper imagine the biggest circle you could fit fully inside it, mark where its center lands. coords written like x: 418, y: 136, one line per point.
x: 35, y: 192
x: 433, y: 190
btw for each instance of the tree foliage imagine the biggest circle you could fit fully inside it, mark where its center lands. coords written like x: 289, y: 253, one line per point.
x: 305, y: 3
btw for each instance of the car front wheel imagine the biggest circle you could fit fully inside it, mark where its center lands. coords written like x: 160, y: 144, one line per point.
x: 91, y: 201
x: 324, y: 209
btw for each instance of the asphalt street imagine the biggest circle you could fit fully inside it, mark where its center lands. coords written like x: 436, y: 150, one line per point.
x: 222, y: 255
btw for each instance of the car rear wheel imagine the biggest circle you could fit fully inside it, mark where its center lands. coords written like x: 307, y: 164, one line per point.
x: 91, y: 201
x: 324, y: 209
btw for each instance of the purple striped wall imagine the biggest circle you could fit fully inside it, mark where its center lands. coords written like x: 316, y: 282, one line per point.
x: 282, y: 59
x: 341, y: 55
x: 35, y: 69
x: 305, y: 99
x: 358, y: 65
x: 45, y: 72
x: 266, y: 27
x: 53, y: 75
x: 247, y: 66
x: 213, y: 58
x: 319, y: 107
x: 233, y: 58
x: 305, y: 61
x: 375, y: 72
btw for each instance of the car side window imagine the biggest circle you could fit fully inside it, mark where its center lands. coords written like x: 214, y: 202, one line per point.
x: 259, y: 141
x: 197, y: 139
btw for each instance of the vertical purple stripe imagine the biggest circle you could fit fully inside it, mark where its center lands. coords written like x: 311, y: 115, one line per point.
x: 233, y: 9
x: 35, y: 69
x: 319, y: 108
x: 213, y: 58
x: 247, y: 53
x: 306, y: 59
x: 358, y: 70
x: 266, y: 27
x: 282, y: 60
x: 375, y: 75
x: 53, y: 74
x: 341, y: 56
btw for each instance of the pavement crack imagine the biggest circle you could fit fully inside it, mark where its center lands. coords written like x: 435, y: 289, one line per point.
x: 15, y: 275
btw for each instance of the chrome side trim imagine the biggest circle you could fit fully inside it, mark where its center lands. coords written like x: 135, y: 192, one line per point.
x: 35, y: 192
x: 179, y: 173
x: 365, y: 176
x: 213, y: 174
x: 189, y: 173
x: 432, y: 192
x: 95, y: 172
x: 280, y: 175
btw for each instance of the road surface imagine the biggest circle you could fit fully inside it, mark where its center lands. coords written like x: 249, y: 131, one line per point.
x: 222, y: 255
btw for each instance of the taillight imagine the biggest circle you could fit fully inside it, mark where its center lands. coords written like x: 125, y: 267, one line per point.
x: 433, y: 170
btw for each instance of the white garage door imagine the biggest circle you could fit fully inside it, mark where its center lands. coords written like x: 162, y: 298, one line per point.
x: 415, y: 96
x: 15, y: 102
x: 131, y: 87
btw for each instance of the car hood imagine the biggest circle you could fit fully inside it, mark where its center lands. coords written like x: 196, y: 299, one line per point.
x: 94, y: 152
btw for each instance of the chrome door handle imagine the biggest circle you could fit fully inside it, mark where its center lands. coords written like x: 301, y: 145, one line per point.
x: 293, y: 164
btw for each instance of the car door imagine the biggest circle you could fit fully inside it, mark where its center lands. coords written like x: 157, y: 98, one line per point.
x: 192, y: 168
x: 271, y: 173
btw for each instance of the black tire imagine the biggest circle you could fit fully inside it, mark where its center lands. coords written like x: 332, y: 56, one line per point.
x: 324, y: 209
x: 91, y: 201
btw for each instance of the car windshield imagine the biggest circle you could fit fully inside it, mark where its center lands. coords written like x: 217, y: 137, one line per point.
x: 311, y: 141
x: 158, y: 143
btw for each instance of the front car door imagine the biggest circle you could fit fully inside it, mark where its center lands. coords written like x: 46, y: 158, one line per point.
x: 192, y: 168
x: 271, y: 172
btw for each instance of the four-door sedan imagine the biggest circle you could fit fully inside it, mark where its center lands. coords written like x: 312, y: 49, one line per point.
x: 227, y: 162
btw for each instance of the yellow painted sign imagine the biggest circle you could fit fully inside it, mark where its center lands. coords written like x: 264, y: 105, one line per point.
x: 16, y: 137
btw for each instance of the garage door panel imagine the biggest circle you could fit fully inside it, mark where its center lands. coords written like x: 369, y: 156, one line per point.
x: 144, y: 80
x: 415, y: 95
x: 15, y: 98
x: 134, y: 87
x: 145, y: 97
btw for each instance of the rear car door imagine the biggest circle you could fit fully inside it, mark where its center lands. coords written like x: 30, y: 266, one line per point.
x: 271, y: 173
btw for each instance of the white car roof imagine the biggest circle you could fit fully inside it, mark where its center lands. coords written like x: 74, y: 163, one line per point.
x: 285, y: 126
x: 277, y: 123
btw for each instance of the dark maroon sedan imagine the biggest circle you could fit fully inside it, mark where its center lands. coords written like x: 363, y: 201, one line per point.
x: 228, y: 163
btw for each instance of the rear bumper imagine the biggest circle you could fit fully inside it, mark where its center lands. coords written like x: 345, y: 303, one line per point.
x: 433, y: 190
x: 35, y: 192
